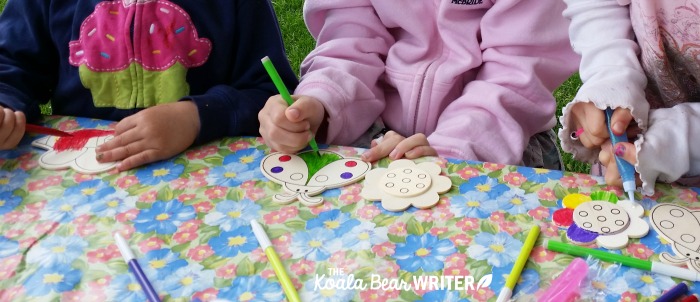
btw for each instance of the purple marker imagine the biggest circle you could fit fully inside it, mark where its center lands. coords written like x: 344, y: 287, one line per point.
x: 135, y: 268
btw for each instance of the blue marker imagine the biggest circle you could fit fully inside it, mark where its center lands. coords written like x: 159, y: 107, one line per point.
x: 626, y: 169
x: 130, y: 259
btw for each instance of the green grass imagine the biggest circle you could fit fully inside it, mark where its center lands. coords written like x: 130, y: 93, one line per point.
x: 298, y: 43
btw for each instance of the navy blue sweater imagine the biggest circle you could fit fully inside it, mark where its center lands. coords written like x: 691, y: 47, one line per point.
x: 110, y: 59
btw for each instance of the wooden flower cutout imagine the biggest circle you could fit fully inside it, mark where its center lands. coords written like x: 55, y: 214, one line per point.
x: 601, y: 218
x: 404, y: 184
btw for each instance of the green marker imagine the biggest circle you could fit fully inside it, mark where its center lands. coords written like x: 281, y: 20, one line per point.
x: 514, y: 275
x: 652, y: 266
x: 272, y: 71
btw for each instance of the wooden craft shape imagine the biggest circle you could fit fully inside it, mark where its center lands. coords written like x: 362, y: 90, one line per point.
x: 82, y: 160
x: 292, y: 173
x: 608, y: 224
x: 681, y: 227
x: 404, y: 184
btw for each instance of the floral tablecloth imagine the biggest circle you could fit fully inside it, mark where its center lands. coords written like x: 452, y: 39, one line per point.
x: 187, y: 220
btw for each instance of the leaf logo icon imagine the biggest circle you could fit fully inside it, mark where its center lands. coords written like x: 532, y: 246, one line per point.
x: 484, y: 282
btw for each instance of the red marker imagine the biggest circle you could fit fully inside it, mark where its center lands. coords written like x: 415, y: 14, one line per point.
x: 691, y: 298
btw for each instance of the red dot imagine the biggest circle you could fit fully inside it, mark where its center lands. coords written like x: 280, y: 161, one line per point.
x: 350, y: 163
x: 285, y: 158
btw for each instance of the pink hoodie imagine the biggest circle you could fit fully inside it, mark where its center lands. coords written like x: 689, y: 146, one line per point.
x: 475, y: 76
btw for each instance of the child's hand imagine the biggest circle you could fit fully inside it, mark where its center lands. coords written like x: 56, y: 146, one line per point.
x: 152, y: 134
x: 397, y: 146
x: 11, y: 128
x: 588, y: 117
x: 289, y: 129
x: 626, y: 151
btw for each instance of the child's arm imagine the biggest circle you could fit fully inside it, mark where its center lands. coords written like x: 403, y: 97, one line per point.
x: 232, y: 110
x: 28, y: 58
x: 601, y: 32
x: 343, y: 70
x: 668, y: 150
x: 525, y: 55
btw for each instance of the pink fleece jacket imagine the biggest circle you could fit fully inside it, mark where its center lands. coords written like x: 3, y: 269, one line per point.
x: 475, y: 76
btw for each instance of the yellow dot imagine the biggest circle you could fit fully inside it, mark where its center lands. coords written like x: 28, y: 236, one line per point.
x: 516, y: 201
x: 238, y: 240
x: 58, y: 249
x: 230, y: 174
x: 498, y: 248
x: 186, y: 281
x: 160, y: 172
x: 234, y: 214
x: 53, y: 278
x: 162, y: 217
x: 473, y: 204
x: 484, y: 188
x: 314, y: 243
x: 363, y: 236
x: 88, y: 191
x: 156, y: 264
x: 133, y: 287
x: 247, y: 296
x: 246, y: 159
x: 647, y: 279
x: 422, y: 252
x: 331, y: 224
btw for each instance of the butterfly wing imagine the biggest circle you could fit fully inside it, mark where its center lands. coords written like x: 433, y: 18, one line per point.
x: 285, y: 168
x: 340, y: 173
x: 677, y: 224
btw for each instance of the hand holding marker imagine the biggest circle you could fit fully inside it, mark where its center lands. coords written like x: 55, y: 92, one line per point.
x: 626, y: 169
x: 277, y: 80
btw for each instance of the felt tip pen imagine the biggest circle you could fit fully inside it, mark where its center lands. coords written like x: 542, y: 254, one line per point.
x: 507, y: 290
x: 129, y: 258
x: 277, y: 265
x: 674, y: 293
x: 652, y: 266
x: 277, y: 80
x: 625, y: 168
x: 691, y: 298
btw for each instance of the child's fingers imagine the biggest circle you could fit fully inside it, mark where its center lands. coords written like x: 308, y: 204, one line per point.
x: 18, y: 132
x: 421, y: 151
x: 409, y: 144
x: 389, y: 142
x: 620, y: 120
x: 304, y: 108
x: 287, y: 142
x: 136, y: 160
x: 121, y: 152
x: 626, y: 151
x: 119, y: 140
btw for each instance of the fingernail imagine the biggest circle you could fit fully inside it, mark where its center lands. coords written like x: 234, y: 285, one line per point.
x: 392, y: 155
x: 294, y: 113
x: 618, y: 128
x: 99, y: 156
x: 620, y: 150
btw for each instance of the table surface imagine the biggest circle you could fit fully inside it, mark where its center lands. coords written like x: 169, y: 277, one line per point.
x: 187, y: 220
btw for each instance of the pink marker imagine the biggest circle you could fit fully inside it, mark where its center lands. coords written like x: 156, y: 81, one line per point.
x: 565, y: 288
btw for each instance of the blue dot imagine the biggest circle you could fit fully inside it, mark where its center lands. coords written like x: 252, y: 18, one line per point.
x: 276, y: 169
x: 346, y: 175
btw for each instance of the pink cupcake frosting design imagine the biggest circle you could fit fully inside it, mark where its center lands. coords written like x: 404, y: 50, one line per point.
x: 163, y: 34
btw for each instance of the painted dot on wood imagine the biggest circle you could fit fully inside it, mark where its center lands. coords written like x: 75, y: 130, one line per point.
x: 285, y: 158
x: 688, y: 238
x: 346, y: 175
x: 666, y: 224
x: 350, y: 163
x: 277, y: 169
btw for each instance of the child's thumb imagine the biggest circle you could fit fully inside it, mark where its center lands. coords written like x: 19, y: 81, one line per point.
x: 626, y: 151
x: 299, y: 110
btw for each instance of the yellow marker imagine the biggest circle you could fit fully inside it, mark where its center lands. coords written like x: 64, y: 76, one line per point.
x: 277, y: 266
x: 514, y: 275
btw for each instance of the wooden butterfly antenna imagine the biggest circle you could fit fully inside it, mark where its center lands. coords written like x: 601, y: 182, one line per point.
x: 78, y: 139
